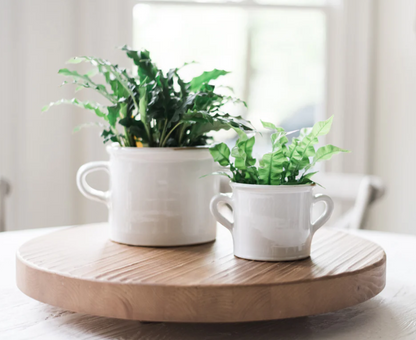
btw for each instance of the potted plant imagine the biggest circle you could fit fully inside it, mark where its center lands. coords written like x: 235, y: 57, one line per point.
x: 272, y: 202
x: 158, y: 124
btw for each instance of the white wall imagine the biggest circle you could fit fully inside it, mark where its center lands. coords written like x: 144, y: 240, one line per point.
x: 39, y: 154
x: 393, y: 144
x: 37, y: 37
x: 35, y: 148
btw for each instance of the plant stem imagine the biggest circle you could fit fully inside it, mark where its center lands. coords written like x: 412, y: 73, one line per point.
x: 167, y: 136
x: 126, y: 137
x: 115, y: 132
x: 183, y: 128
x: 162, y: 136
x: 149, y: 133
x: 126, y: 133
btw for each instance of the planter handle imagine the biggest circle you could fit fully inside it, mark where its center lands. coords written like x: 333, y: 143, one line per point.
x: 83, y: 186
x: 329, y: 208
x: 226, y: 198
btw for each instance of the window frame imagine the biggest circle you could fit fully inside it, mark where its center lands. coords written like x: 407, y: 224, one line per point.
x: 348, y: 87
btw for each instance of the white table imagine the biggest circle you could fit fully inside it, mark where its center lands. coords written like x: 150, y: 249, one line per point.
x: 390, y: 315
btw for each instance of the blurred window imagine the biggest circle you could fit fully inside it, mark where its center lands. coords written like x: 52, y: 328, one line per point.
x: 275, y: 50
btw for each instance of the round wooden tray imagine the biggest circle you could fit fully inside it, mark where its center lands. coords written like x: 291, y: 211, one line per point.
x: 80, y: 270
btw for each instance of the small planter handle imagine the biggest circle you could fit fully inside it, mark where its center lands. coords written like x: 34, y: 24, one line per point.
x: 329, y: 207
x: 226, y: 198
x: 84, y: 187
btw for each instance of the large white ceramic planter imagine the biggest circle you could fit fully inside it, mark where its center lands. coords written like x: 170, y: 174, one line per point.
x: 272, y: 223
x: 157, y: 195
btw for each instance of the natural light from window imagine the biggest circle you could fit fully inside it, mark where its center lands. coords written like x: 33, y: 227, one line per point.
x: 277, y: 56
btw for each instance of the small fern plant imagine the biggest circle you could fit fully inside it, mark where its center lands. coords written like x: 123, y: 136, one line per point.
x: 287, y: 163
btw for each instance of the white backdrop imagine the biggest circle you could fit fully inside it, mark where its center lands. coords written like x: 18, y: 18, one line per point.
x: 39, y: 154
x: 373, y: 96
x: 393, y: 140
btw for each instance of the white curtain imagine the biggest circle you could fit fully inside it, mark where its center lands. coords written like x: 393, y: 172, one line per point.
x: 39, y: 154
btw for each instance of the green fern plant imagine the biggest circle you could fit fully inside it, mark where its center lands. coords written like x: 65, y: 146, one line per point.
x: 152, y: 108
x: 286, y: 164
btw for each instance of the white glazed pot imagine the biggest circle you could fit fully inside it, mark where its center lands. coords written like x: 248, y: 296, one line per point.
x: 272, y: 223
x: 157, y: 195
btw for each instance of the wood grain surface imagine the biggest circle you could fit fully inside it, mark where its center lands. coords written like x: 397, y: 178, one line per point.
x: 79, y: 269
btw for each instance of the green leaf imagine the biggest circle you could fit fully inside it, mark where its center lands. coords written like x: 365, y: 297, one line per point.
x: 271, y: 126
x: 75, y: 60
x: 113, y: 115
x: 279, y: 140
x: 104, y: 67
x: 143, y: 105
x: 86, y: 81
x: 76, y: 76
x: 200, y: 128
x: 110, y: 135
x: 146, y: 70
x: 229, y: 88
x: 119, y: 90
x: 292, y: 148
x: 304, y: 132
x: 307, y: 178
x: 271, y: 168
x: 186, y: 64
x: 252, y: 175
x: 234, y: 100
x: 305, y: 149
x: 322, y: 128
x: 241, y: 134
x: 203, y: 122
x: 222, y: 173
x: 86, y: 125
x: 240, y: 156
x: 303, y: 152
x: 97, y: 108
x: 268, y: 125
x: 184, y: 91
x: 248, y: 149
x: 221, y: 153
x: 242, y: 152
x: 326, y: 152
x: 197, y: 83
x: 93, y: 72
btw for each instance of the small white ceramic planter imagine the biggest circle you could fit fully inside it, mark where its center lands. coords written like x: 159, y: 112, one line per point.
x: 272, y: 223
x: 157, y: 195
